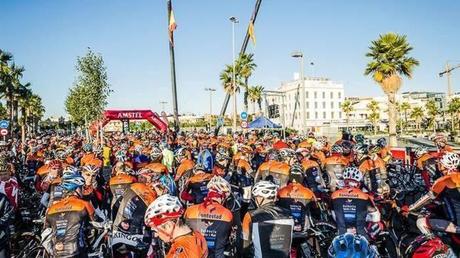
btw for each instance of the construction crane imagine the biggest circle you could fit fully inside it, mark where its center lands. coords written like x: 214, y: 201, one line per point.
x: 242, y: 51
x: 447, y: 71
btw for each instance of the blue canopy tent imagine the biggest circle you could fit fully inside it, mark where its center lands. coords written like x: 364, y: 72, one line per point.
x: 263, y: 123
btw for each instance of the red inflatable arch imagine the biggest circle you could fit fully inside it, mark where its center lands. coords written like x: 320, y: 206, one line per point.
x: 148, y: 115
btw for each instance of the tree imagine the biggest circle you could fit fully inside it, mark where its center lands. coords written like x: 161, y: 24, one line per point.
x: 347, y: 108
x: 245, y: 66
x: 255, y: 96
x: 453, y: 109
x: 417, y: 114
x: 389, y: 63
x: 226, y: 79
x: 87, y: 98
x: 432, y: 111
x: 374, y: 114
x: 404, y: 108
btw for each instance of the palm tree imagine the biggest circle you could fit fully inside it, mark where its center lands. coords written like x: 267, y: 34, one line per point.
x: 36, y: 111
x: 255, y: 96
x: 244, y: 67
x: 404, y: 107
x: 226, y: 77
x: 347, y: 108
x: 453, y: 109
x: 433, y: 111
x: 24, y: 103
x: 390, y: 62
x: 417, y: 114
x: 374, y: 114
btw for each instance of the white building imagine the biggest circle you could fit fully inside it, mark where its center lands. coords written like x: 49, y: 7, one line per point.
x: 323, y: 99
x: 359, y: 115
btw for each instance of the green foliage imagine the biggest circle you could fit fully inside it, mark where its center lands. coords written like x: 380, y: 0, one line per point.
x: 374, y: 113
x: 87, y: 98
x: 389, y: 54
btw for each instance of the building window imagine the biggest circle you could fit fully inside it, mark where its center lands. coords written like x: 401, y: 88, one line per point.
x: 306, y: 94
x: 332, y: 104
x: 340, y: 115
x: 324, y: 115
x: 316, y: 104
x: 340, y: 104
x: 316, y: 94
x: 340, y: 95
x: 324, y: 95
x: 307, y: 104
x: 332, y: 115
x: 308, y: 115
x: 332, y: 95
x: 324, y: 104
x: 316, y: 115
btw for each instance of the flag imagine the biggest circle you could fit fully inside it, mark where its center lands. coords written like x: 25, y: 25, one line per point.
x: 172, y: 25
x: 251, y: 32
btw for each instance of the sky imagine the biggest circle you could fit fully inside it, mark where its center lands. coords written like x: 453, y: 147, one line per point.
x: 47, y: 36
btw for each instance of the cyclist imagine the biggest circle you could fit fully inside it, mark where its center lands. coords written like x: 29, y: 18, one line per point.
x: 351, y: 206
x: 373, y: 169
x: 94, y: 193
x: 196, y: 189
x: 334, y: 166
x: 6, y: 217
x: 426, y: 165
x: 440, y: 141
x: 384, y: 153
x: 267, y: 231
x: 129, y: 234
x: 164, y: 216
x: 67, y: 219
x: 211, y: 218
x: 118, y: 184
x: 446, y: 188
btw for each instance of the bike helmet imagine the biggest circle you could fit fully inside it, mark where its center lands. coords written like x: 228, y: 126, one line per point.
x: 91, y: 169
x: 156, y: 153
x: 220, y: 185
x: 55, y: 164
x: 265, y: 189
x: 180, y: 154
x: 87, y: 147
x: 70, y: 170
x: 164, y: 208
x: 347, y: 147
x: 440, y: 138
x: 352, y: 173
x: 317, y: 145
x: 71, y: 182
x: 361, y: 151
x: 450, y: 161
x: 382, y: 142
x: 121, y: 156
x: 273, y: 154
x: 420, y: 151
x: 323, y: 140
x: 287, y: 153
x: 359, y: 138
x: 337, y: 149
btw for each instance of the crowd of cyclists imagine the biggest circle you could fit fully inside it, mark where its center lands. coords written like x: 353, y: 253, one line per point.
x: 252, y: 194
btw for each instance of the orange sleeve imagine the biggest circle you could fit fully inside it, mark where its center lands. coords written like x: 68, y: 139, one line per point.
x: 246, y: 227
x: 439, y: 185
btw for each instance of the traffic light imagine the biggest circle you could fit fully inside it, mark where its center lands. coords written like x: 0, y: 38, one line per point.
x: 273, y: 111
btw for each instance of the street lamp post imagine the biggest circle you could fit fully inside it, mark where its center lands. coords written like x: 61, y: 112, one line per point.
x: 163, y: 103
x: 234, y: 21
x: 299, y: 54
x: 211, y: 90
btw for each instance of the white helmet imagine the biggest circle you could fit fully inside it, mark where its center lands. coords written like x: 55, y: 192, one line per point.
x: 352, y: 173
x: 450, y: 160
x: 220, y: 185
x: 317, y: 145
x: 164, y: 208
x: 265, y: 189
x: 419, y: 151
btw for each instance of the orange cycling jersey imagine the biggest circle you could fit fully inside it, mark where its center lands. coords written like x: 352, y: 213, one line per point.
x: 188, y: 246
x: 320, y: 156
x: 157, y: 168
x: 421, y: 161
x: 214, y: 221
x: 336, y: 159
x: 370, y: 164
x: 184, y: 167
x: 66, y: 219
x: 244, y: 166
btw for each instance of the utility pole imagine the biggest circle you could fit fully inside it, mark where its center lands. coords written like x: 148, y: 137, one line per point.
x: 447, y: 71
x: 211, y: 90
x: 299, y: 54
x: 234, y: 21
x: 173, y: 71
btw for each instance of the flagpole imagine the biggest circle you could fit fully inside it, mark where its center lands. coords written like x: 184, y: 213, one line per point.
x: 173, y: 71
